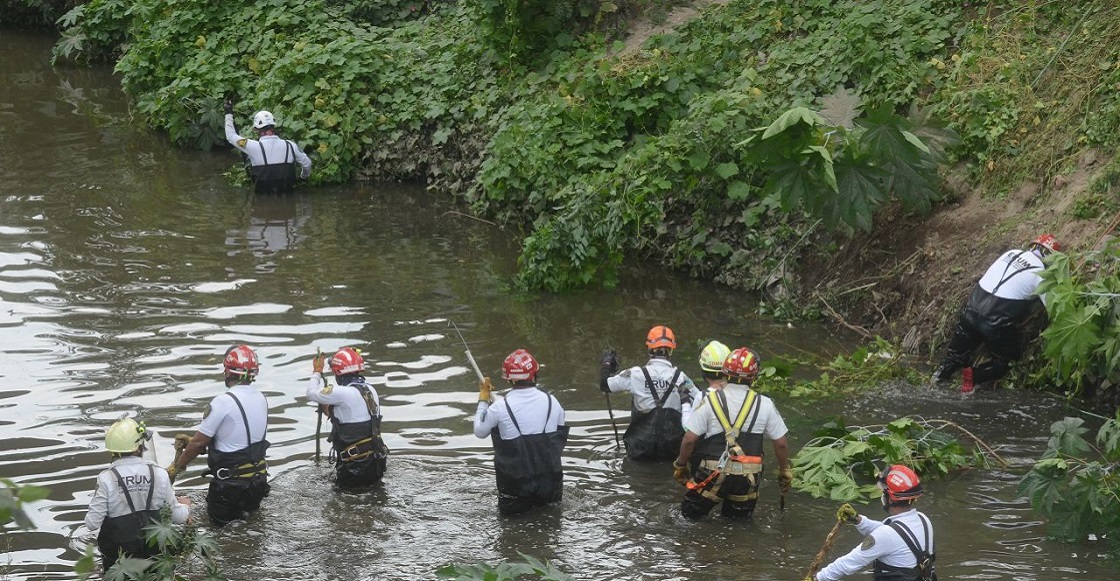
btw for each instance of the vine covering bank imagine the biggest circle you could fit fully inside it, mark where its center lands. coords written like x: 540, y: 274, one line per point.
x: 532, y: 114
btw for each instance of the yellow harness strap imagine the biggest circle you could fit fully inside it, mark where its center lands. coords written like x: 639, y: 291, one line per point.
x: 730, y: 431
x: 353, y: 451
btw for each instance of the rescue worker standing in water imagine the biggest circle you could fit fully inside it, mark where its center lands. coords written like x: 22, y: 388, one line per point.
x: 528, y: 431
x: 662, y: 397
x: 721, y: 455
x: 360, y: 456
x: 130, y: 495
x: 900, y: 548
x: 271, y: 160
x: 711, y: 366
x: 234, y: 431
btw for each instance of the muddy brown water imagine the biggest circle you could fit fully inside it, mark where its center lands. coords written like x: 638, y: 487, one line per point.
x: 127, y: 266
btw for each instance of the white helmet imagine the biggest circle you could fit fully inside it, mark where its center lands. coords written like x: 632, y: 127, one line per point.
x: 263, y: 119
x: 125, y: 436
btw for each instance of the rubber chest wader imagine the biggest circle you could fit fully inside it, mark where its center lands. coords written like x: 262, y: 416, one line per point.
x: 274, y: 178
x: 925, y: 569
x: 241, y: 469
x: 735, y: 454
x: 359, y: 453
x: 125, y: 533
x: 528, y: 467
x: 655, y: 435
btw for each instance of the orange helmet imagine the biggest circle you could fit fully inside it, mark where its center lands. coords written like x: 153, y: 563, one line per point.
x: 742, y: 366
x: 242, y: 362
x: 661, y: 337
x: 346, y: 361
x: 1048, y: 242
x: 900, y: 484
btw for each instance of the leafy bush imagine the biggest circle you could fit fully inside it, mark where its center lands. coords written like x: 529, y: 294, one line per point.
x: 840, y: 462
x: 1082, y: 341
x: 1075, y: 484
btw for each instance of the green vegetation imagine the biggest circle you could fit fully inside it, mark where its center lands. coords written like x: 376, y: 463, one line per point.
x: 1082, y: 343
x: 841, y: 462
x: 508, y: 571
x: 1075, y: 484
x: 869, y: 367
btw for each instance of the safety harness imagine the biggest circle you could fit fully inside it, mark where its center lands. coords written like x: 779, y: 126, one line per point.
x: 1006, y: 277
x: 274, y: 177
x: 250, y: 469
x: 734, y: 461
x: 924, y: 571
x: 364, y: 448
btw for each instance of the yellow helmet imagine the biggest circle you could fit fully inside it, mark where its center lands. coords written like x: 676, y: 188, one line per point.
x: 125, y: 436
x: 713, y: 355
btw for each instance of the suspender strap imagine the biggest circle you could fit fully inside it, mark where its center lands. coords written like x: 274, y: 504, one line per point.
x: 244, y: 418
x: 289, y: 151
x: 1006, y: 277
x: 911, y: 540
x: 263, y: 154
x: 128, y: 496
x: 513, y: 418
x: 124, y: 491
x: 660, y: 400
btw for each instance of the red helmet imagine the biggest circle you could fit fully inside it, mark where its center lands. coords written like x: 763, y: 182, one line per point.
x: 348, y: 360
x: 661, y: 337
x: 241, y: 361
x: 900, y: 484
x: 1048, y: 242
x: 741, y: 366
x: 520, y: 366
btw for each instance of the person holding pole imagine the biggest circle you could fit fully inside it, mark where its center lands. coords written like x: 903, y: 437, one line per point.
x: 900, y: 547
x: 528, y: 431
x: 662, y: 398
x: 233, y: 434
x: 360, y: 456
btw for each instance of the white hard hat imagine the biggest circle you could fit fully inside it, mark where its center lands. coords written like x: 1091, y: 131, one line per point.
x: 125, y: 436
x: 263, y: 119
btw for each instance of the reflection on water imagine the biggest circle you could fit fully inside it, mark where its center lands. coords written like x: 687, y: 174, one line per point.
x: 128, y: 266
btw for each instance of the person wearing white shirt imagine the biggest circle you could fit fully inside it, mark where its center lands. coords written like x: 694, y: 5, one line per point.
x: 271, y: 161
x: 233, y: 434
x: 129, y: 496
x: 898, y: 548
x: 720, y: 460
x: 360, y: 455
x: 1004, y: 298
x: 662, y: 397
x: 528, y: 432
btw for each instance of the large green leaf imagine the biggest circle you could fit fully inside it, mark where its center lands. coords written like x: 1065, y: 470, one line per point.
x: 1072, y: 337
x: 860, y: 190
x: 792, y: 117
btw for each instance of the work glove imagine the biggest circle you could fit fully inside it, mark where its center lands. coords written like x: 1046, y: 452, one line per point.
x: 181, y: 441
x: 172, y: 472
x: 317, y: 363
x: 808, y: 578
x: 484, y: 389
x: 227, y: 106
x: 785, y: 479
x: 847, y: 513
x: 609, y: 361
x: 681, y: 473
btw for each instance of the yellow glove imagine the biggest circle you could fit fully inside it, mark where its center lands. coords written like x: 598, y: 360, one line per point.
x: 172, y: 472
x: 484, y: 389
x: 181, y: 441
x: 808, y: 578
x: 317, y: 363
x: 785, y: 479
x: 847, y: 513
x: 681, y: 473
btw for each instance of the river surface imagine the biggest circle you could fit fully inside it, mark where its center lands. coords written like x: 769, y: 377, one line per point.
x: 128, y: 266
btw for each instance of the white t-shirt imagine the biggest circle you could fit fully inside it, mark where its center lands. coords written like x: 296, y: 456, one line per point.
x: 529, y: 406
x: 1014, y: 275
x: 661, y: 372
x: 704, y: 422
x: 109, y: 500
x: 883, y: 543
x: 224, y: 424
x: 349, y: 405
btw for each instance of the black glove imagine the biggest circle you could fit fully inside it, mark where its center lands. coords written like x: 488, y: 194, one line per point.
x: 609, y: 361
x: 227, y: 106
